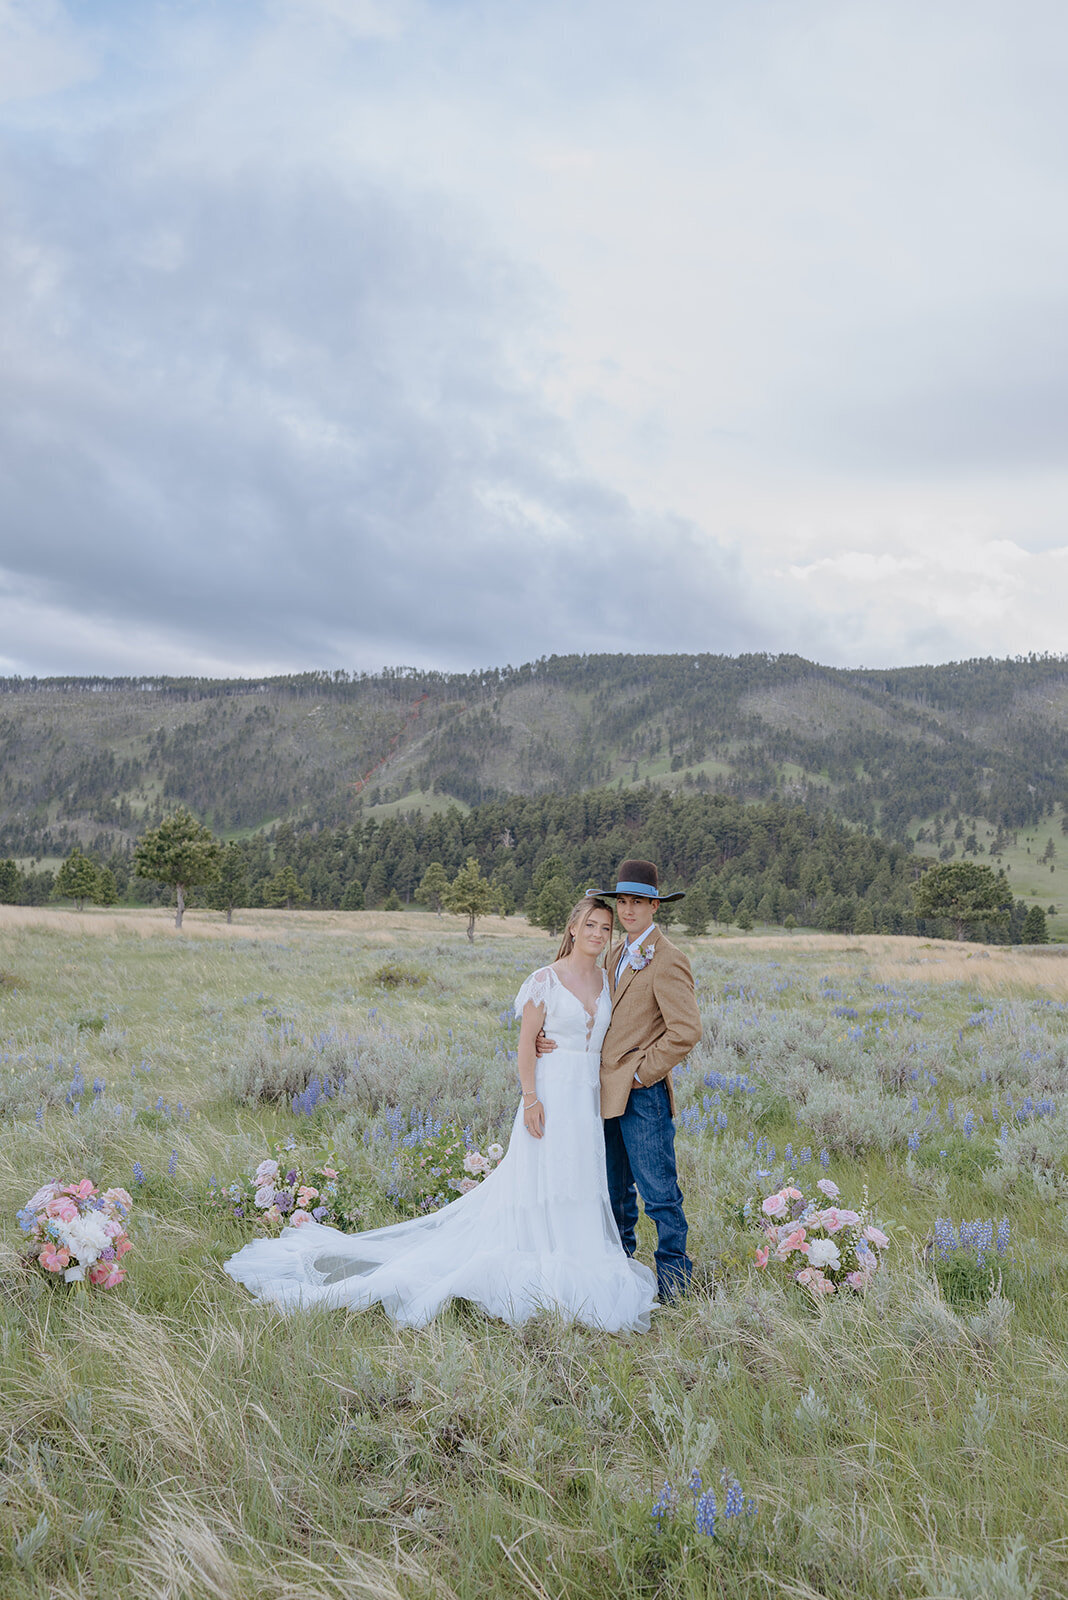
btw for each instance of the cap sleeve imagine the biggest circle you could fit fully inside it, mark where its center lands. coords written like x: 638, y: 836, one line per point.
x: 535, y: 988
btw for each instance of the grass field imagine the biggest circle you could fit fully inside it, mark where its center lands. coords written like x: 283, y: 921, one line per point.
x: 174, y: 1439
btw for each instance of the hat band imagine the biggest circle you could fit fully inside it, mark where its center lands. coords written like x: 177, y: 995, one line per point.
x: 648, y: 889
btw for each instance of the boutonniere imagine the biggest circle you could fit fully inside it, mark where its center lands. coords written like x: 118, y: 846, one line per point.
x: 639, y: 956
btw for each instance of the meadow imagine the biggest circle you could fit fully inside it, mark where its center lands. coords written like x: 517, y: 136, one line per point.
x: 171, y: 1438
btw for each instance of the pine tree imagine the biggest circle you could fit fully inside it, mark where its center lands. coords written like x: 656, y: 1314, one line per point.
x: 77, y: 879
x: 696, y: 912
x: 552, y: 906
x: 284, y: 888
x: 433, y: 887
x: 181, y: 852
x: 1035, y: 930
x: 470, y: 895
x: 231, y: 887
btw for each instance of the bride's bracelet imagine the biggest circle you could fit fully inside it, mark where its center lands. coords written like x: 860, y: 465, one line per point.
x: 532, y: 1098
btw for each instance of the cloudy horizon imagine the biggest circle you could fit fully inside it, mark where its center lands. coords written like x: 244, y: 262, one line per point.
x: 361, y: 333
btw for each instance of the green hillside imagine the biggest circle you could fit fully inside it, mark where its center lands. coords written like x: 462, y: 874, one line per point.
x: 93, y: 760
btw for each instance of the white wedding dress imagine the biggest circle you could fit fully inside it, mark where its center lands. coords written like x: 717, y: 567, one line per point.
x: 536, y: 1234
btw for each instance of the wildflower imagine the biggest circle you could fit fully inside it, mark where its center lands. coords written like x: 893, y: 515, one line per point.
x: 705, y: 1514
x: 172, y: 1164
x: 825, y: 1159
x: 138, y: 1172
x: 734, y: 1504
x: 664, y: 1505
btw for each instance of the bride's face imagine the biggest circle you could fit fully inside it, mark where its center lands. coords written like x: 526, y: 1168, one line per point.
x: 592, y: 932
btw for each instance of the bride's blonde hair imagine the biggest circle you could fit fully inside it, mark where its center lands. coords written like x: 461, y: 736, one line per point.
x: 589, y: 902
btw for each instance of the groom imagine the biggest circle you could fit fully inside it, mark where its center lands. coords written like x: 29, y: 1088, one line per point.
x: 655, y: 1023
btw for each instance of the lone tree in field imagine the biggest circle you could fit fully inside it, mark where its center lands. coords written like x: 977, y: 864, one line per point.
x: 181, y: 853
x: 964, y: 893
x: 433, y: 887
x: 78, y: 879
x: 471, y: 895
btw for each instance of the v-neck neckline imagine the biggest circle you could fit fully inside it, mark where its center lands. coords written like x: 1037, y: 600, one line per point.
x: 591, y: 1015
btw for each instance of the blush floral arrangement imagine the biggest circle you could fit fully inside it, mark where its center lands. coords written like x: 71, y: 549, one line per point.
x: 285, y: 1190
x: 77, y: 1235
x: 446, y: 1166
x: 823, y: 1247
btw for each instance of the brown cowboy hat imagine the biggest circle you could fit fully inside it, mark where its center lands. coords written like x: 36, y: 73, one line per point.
x: 637, y: 877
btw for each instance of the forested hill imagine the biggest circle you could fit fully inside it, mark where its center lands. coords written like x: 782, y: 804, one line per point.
x: 95, y: 760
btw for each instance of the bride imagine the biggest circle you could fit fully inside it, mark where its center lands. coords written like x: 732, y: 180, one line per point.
x: 538, y: 1233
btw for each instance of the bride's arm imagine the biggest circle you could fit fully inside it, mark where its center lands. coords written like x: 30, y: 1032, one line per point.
x: 529, y: 1028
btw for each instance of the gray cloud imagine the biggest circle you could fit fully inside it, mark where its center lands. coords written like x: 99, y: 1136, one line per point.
x: 276, y: 417
x: 364, y: 331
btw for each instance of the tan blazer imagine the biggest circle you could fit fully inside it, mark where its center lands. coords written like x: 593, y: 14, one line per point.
x: 655, y: 1023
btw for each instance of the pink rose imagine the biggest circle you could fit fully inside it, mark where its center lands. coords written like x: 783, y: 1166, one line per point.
x: 61, y: 1209
x: 465, y: 1185
x: 858, y: 1280
x: 266, y: 1172
x: 774, y: 1206
x: 849, y: 1219
x: 304, y: 1194
x: 822, y: 1285
x: 793, y: 1241
x: 831, y: 1219
x: 119, y: 1197
x: 828, y: 1187
x: 328, y: 1172
x: 877, y: 1236
x: 805, y: 1276
x: 47, y: 1191
x: 299, y: 1218
x: 792, y: 1194
x: 762, y: 1257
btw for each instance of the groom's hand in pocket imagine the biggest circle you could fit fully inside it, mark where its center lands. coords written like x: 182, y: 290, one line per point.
x: 543, y: 1044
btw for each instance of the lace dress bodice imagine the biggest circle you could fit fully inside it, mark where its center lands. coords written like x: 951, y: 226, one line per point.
x: 567, y: 1022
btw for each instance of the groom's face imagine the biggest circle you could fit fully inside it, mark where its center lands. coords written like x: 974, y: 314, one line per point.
x: 636, y: 912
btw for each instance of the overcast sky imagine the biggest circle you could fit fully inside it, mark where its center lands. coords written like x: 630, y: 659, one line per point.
x: 453, y: 333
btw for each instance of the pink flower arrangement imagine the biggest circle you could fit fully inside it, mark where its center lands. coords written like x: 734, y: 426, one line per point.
x: 282, y: 1191
x: 823, y: 1248
x: 77, y: 1234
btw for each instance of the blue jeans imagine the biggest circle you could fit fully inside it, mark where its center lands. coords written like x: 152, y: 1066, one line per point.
x: 640, y: 1151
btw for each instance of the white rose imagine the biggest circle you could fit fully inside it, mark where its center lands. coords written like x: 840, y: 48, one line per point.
x: 824, y: 1253
x: 265, y: 1197
x: 85, y: 1237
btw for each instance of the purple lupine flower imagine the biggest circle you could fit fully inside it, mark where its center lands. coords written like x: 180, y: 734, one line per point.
x: 705, y: 1514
